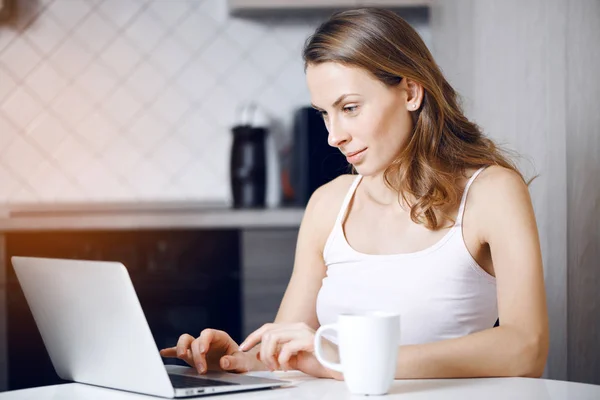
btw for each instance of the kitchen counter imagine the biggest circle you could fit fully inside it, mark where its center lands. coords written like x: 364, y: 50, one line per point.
x: 130, y: 216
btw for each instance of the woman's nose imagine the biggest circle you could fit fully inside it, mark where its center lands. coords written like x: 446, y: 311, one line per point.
x: 337, y: 137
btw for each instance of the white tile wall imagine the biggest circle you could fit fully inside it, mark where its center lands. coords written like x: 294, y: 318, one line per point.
x: 128, y: 100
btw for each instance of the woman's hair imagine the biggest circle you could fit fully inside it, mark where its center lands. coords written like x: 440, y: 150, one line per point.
x: 444, y: 143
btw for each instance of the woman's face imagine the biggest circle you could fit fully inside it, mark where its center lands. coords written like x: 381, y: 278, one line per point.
x: 367, y: 121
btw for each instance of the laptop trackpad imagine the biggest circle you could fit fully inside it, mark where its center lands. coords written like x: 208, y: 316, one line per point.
x: 235, y: 379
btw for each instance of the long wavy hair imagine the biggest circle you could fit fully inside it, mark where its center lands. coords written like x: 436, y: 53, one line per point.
x: 444, y: 143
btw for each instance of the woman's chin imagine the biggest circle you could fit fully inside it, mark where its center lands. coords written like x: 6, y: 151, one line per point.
x: 366, y: 170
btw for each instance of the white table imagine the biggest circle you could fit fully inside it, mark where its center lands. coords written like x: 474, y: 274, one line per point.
x: 305, y: 387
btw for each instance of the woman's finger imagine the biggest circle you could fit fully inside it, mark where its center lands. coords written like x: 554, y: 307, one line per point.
x: 169, y: 352
x: 272, y: 343
x: 199, y: 359
x: 237, y: 362
x: 288, y: 350
x: 255, y: 337
x: 183, y: 344
x: 268, y: 350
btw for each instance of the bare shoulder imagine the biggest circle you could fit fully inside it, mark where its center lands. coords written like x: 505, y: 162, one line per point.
x: 324, y: 205
x: 333, y: 191
x: 498, y: 184
x: 498, y: 196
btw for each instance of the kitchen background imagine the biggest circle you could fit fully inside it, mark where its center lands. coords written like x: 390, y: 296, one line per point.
x: 133, y: 101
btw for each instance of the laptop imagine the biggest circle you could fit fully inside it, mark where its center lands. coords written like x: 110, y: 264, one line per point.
x: 95, y: 331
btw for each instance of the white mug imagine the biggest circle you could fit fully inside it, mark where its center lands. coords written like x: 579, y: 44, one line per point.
x: 368, y: 347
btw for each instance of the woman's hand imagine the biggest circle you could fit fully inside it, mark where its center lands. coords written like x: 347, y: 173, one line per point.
x: 212, y: 350
x: 289, y: 346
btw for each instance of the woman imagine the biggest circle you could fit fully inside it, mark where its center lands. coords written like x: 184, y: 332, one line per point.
x: 438, y: 225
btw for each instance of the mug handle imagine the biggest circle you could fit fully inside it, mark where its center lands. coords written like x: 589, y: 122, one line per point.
x: 319, y: 348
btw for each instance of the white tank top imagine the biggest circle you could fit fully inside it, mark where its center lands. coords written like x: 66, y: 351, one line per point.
x: 440, y: 292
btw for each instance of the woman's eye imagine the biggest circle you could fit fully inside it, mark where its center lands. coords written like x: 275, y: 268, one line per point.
x: 350, y: 109
x: 322, y: 113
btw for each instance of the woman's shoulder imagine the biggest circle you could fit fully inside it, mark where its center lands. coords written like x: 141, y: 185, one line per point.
x: 325, y: 203
x: 327, y: 196
x: 496, y: 181
x: 496, y: 192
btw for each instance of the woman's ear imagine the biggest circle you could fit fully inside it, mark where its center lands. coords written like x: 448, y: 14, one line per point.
x: 414, y: 97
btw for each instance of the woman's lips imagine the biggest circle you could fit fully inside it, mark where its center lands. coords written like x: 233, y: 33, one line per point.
x: 355, y: 156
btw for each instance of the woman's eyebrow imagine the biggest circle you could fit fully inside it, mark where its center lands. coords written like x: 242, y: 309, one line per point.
x: 337, y: 102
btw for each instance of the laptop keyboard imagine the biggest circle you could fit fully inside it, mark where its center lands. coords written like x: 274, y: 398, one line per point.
x: 182, y: 382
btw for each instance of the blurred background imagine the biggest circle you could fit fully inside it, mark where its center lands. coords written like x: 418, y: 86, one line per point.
x: 173, y: 135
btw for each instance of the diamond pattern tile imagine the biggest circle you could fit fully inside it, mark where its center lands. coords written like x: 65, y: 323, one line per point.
x: 122, y: 153
x: 46, y: 82
x: 68, y: 13
x: 20, y: 57
x: 97, y: 131
x: 245, y: 80
x: 72, y: 106
x: 171, y: 12
x: 72, y: 156
x: 121, y: 57
x: 197, y: 30
x: 121, y: 12
x: 23, y: 194
x: 7, y: 84
x: 45, y: 34
x: 171, y: 155
x: 21, y: 107
x: 96, y: 180
x: 48, y: 181
x: 216, y: 9
x: 71, y: 57
x: 196, y: 129
x: 21, y: 157
x: 147, y: 179
x: 128, y: 100
x: 245, y: 32
x: 170, y: 56
x: 196, y: 80
x: 47, y: 132
x: 122, y: 106
x: 171, y: 105
x: 221, y: 54
x: 97, y: 81
x: 219, y: 106
x: 9, y: 133
x: 269, y: 54
x: 9, y: 184
x: 146, y: 81
x: 146, y: 31
x: 146, y: 132
x: 95, y: 32
x: 7, y: 36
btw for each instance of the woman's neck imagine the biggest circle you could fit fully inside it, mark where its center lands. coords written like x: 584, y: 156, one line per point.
x: 378, y: 192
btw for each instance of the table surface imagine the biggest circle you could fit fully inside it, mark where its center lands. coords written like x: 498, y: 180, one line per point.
x: 305, y: 387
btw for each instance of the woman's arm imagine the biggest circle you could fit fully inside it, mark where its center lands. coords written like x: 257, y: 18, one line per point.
x: 300, y: 298
x: 519, y: 346
x: 298, y: 307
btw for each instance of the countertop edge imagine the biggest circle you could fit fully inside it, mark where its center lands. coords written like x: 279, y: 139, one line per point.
x: 157, y: 219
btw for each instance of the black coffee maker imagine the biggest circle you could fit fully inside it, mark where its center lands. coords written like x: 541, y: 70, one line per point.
x: 248, y: 167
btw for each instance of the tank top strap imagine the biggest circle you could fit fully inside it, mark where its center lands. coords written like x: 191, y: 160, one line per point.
x: 346, y: 202
x: 463, y: 201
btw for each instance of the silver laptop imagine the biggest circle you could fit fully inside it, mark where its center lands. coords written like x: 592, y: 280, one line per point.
x: 96, y: 333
